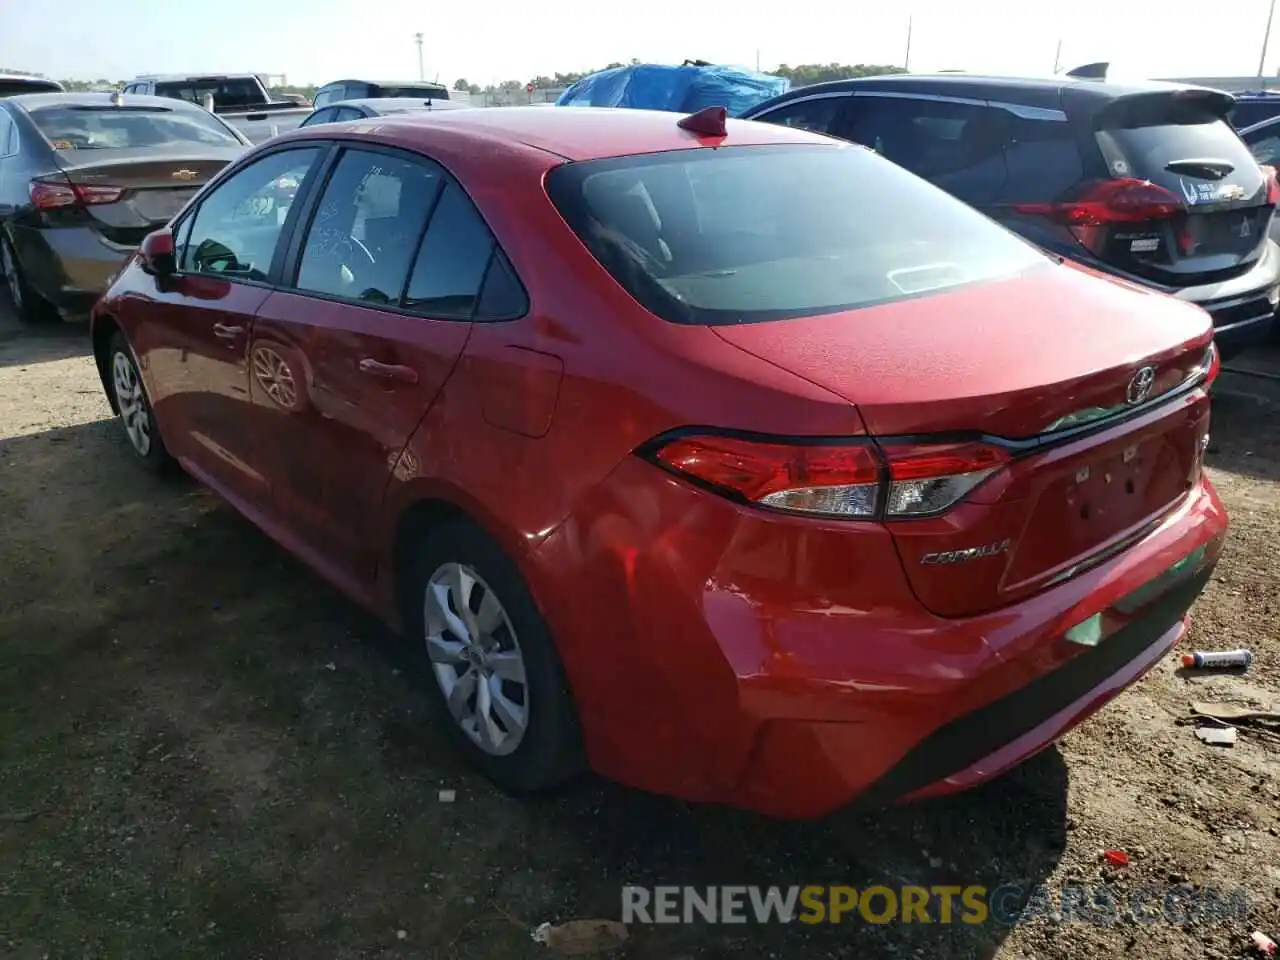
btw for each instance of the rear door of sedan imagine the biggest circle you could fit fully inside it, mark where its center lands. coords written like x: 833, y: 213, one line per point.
x: 383, y: 280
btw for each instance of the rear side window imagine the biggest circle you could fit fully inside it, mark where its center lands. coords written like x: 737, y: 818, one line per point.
x: 817, y: 115
x: 452, y: 262
x: 127, y: 128
x: 1042, y: 160
x: 8, y: 142
x: 366, y: 226
x: 746, y: 234
x: 958, y: 146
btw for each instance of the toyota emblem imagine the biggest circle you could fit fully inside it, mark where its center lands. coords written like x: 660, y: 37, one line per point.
x: 1140, y: 386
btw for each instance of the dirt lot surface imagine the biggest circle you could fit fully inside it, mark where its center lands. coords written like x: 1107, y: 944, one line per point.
x: 204, y: 752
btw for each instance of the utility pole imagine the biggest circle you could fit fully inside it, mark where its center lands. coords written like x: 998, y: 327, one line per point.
x: 1057, y: 58
x: 1266, y: 36
x: 906, y: 62
x: 422, y: 73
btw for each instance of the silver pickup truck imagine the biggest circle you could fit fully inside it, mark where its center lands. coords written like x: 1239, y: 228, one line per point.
x: 241, y: 99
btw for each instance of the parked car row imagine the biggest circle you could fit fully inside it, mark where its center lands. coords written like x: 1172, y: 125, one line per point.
x: 728, y: 459
x: 84, y: 176
x: 1147, y: 182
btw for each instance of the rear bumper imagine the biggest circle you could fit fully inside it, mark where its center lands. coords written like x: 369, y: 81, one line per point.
x: 785, y: 666
x: 69, y: 266
x: 1242, y: 308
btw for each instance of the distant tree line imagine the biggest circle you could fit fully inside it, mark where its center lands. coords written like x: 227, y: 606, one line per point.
x: 800, y: 75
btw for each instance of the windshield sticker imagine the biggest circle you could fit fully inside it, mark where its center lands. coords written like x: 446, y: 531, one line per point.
x: 1209, y: 192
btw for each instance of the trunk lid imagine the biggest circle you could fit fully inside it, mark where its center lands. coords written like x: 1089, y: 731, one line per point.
x: 1024, y: 360
x: 1179, y: 141
x: 154, y: 188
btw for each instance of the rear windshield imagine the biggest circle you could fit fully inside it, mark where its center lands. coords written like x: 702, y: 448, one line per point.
x: 745, y: 234
x: 1147, y: 137
x: 123, y: 128
x: 227, y: 91
x: 417, y: 93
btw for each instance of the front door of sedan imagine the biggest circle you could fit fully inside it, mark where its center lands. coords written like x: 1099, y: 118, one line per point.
x: 193, y: 336
x: 385, y: 280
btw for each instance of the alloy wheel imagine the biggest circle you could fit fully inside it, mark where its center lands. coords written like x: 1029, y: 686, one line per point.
x: 476, y: 659
x: 132, y: 402
x: 273, y: 373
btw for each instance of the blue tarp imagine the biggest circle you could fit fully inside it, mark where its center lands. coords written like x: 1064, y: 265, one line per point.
x: 683, y: 89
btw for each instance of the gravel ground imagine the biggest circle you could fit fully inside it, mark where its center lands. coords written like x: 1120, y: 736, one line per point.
x: 204, y: 752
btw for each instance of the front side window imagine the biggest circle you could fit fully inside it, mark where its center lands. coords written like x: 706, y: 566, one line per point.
x: 238, y: 225
x: 130, y: 128
x: 746, y: 234
x: 366, y: 227
x: 818, y: 115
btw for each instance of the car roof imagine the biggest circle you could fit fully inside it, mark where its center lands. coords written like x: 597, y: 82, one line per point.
x: 391, y: 83
x: 1006, y: 88
x: 572, y: 133
x: 398, y: 104
x: 35, y: 101
x: 170, y: 77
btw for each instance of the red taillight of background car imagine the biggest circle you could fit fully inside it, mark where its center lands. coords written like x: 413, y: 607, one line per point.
x: 1273, y: 186
x: 853, y: 480
x: 55, y: 195
x: 1105, y: 203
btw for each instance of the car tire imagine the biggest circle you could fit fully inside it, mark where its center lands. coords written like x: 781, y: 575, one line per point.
x: 133, y: 406
x: 30, y: 306
x: 504, y: 641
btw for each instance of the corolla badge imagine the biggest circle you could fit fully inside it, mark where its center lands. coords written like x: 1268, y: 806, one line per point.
x: 1140, y: 385
x: 971, y: 553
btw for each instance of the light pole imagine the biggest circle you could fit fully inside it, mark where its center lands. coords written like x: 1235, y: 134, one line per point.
x: 906, y: 60
x: 422, y: 73
x: 1262, y: 60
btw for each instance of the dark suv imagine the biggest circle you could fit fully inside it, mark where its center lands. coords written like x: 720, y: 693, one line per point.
x: 1146, y: 182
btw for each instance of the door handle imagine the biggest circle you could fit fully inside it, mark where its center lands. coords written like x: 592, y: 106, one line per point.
x: 388, y: 371
x: 227, y: 331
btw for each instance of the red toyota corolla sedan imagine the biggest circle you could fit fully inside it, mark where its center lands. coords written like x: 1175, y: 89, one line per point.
x: 732, y: 462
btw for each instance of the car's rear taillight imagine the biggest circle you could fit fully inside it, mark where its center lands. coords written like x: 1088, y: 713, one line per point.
x: 1273, y: 186
x: 848, y: 480
x: 61, y: 194
x: 927, y: 479
x: 1104, y: 203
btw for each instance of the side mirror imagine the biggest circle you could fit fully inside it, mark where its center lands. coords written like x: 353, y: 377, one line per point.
x: 157, y: 254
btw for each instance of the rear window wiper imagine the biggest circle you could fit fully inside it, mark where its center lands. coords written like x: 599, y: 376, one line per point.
x: 1209, y: 169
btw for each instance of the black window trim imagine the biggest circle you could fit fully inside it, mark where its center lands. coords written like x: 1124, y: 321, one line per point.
x: 304, y: 192
x: 286, y: 279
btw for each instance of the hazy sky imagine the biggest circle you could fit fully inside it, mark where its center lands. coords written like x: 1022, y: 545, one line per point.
x: 488, y: 40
